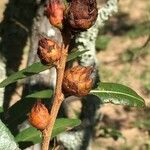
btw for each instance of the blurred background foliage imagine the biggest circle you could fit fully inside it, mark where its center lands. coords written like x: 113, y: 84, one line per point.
x: 123, y: 50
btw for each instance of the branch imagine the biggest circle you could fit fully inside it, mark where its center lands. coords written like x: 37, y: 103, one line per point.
x: 85, y: 40
x: 58, y: 98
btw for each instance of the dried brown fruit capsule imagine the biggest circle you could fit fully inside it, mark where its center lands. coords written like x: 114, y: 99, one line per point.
x: 55, y: 12
x: 82, y: 14
x: 48, y: 51
x: 77, y: 80
x: 39, y: 116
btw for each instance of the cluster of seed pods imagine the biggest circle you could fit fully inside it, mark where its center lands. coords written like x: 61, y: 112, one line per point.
x: 77, y: 80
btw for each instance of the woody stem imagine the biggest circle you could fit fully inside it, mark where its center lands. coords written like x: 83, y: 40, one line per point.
x: 58, y: 98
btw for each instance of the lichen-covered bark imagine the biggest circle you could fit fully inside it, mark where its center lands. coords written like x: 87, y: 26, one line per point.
x: 86, y: 40
x: 2, y: 77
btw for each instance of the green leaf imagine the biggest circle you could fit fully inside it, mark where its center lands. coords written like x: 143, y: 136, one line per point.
x: 18, y: 112
x: 139, y: 30
x: 32, y: 136
x: 34, y: 69
x: 28, y: 137
x: 64, y: 124
x: 75, y: 54
x: 102, y: 42
x: 115, y: 134
x: 29, y: 71
x: 7, y: 141
x: 118, y: 94
x: 110, y: 132
x: 41, y: 94
x: 143, y: 124
x: 1, y: 109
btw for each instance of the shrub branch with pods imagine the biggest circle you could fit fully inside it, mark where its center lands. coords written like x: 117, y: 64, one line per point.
x: 67, y: 16
x: 76, y: 80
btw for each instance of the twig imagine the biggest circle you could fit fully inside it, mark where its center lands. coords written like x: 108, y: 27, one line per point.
x: 58, y: 98
x: 147, y: 42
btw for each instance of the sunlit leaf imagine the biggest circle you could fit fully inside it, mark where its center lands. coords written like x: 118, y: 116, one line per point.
x: 7, y: 141
x: 29, y: 71
x: 118, y: 94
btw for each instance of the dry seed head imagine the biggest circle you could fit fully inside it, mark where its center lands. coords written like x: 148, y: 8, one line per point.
x: 82, y: 14
x: 55, y: 12
x: 39, y: 116
x: 48, y: 51
x: 77, y: 80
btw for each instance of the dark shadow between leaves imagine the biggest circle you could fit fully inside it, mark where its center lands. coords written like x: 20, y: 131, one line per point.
x: 90, y: 105
x: 18, y: 113
x: 26, y: 144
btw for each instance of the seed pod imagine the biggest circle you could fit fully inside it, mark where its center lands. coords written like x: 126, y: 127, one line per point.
x: 48, y: 51
x: 55, y: 12
x: 39, y: 116
x: 82, y: 14
x: 77, y: 80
